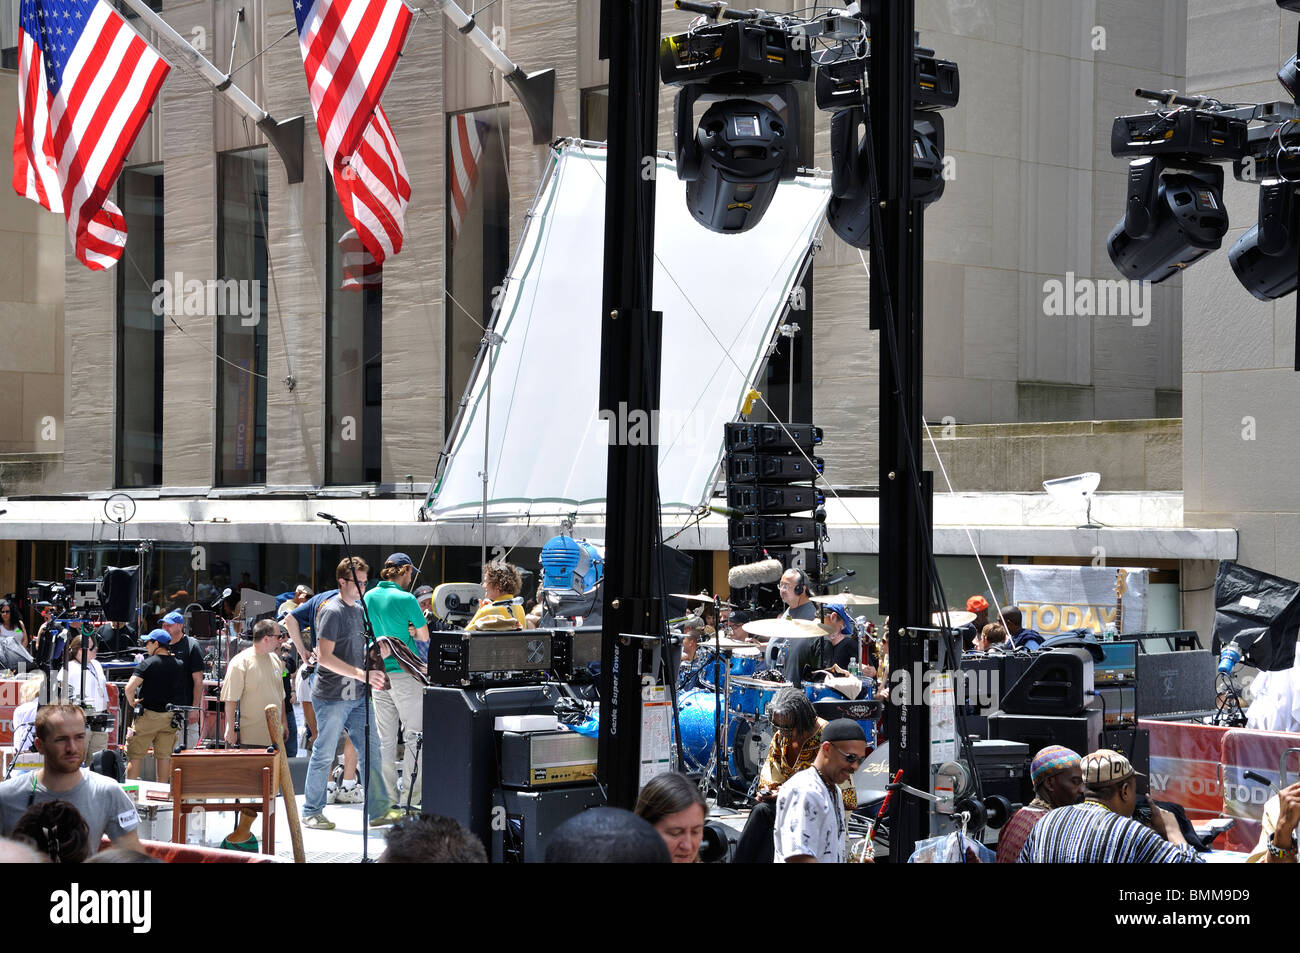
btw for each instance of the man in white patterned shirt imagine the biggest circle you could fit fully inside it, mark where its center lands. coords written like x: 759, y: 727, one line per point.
x: 810, y: 824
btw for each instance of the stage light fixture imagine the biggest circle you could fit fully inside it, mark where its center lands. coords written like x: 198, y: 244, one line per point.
x: 1267, y: 258
x: 1174, y: 217
x: 742, y: 151
x: 849, y: 210
x: 747, y: 142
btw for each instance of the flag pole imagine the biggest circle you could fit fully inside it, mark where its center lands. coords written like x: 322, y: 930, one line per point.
x: 536, y: 91
x: 285, y: 135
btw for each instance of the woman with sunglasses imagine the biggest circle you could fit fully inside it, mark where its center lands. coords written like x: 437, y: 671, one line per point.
x: 11, y: 626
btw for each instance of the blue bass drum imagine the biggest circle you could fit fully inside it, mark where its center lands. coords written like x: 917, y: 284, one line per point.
x: 746, y: 743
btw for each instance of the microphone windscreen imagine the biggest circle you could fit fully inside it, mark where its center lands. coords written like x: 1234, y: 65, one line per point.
x: 755, y: 574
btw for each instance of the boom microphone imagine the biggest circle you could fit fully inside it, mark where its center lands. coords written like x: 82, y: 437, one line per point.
x: 755, y: 574
x: 327, y: 516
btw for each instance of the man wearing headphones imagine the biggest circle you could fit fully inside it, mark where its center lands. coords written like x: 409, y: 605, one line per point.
x: 794, y: 589
x: 790, y: 655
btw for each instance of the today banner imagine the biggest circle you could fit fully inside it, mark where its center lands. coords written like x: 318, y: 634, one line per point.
x: 1057, y: 599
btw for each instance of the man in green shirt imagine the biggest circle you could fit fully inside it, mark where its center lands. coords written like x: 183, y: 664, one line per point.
x: 394, y: 612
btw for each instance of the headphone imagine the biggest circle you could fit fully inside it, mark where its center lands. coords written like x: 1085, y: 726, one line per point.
x: 802, y: 585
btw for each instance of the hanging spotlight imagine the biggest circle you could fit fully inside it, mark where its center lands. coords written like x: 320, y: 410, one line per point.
x: 742, y: 151
x: 1174, y: 215
x: 747, y: 141
x: 1171, y: 222
x: 841, y: 89
x: 1267, y: 258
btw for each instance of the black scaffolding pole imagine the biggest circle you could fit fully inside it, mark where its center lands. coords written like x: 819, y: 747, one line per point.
x: 629, y: 381
x: 896, y: 269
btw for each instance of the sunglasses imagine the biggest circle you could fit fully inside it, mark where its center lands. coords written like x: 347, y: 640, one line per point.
x: 852, y: 759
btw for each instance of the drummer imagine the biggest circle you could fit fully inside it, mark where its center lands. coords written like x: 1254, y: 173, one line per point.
x: 794, y: 746
x: 792, y: 655
x: 845, y: 647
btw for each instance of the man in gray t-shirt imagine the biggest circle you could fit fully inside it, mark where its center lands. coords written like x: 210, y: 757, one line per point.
x: 339, y: 697
x: 105, y: 807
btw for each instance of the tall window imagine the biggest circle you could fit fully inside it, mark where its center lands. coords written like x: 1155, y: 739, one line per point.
x: 140, y: 331
x: 8, y: 34
x: 353, y: 358
x: 593, y: 121
x: 478, y: 231
x: 240, y: 308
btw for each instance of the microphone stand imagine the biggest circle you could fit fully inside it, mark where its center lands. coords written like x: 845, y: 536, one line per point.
x: 368, y: 635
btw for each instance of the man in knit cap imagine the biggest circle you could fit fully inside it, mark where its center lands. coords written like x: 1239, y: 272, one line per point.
x: 1102, y: 830
x: 1057, y: 776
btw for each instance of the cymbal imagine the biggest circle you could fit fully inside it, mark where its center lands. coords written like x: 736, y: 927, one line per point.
x: 730, y: 645
x: 787, y: 629
x: 705, y: 599
x: 845, y: 599
x: 958, y: 617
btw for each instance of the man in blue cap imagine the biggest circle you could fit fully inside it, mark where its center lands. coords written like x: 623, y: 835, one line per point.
x: 156, y: 683
x: 845, y: 648
x: 186, y: 649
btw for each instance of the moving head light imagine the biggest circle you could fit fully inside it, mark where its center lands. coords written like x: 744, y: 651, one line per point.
x: 841, y: 88
x: 1267, y: 258
x: 1171, y: 221
x: 747, y: 141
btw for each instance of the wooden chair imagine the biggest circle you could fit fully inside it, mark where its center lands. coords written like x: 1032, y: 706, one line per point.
x: 206, y: 780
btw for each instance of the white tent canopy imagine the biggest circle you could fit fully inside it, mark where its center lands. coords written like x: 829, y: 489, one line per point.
x: 721, y: 296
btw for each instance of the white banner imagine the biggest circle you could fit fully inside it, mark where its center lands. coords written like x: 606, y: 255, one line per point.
x: 721, y: 298
x: 1055, y: 599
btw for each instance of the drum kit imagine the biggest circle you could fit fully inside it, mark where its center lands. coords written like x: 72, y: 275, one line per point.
x: 725, y: 694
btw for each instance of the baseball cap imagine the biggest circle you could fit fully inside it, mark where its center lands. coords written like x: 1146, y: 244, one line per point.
x: 1050, y: 762
x: 1105, y: 767
x: 399, y: 559
x: 424, y: 592
x: 162, y: 636
x: 304, y: 589
x: 173, y: 618
x: 843, y: 613
x: 976, y: 604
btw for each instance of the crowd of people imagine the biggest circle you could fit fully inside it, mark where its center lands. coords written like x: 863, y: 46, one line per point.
x: 315, y: 660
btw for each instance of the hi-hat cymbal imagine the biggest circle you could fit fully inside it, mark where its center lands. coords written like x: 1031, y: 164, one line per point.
x: 787, y: 629
x: 957, y: 618
x: 705, y: 599
x: 845, y: 599
x: 726, y: 642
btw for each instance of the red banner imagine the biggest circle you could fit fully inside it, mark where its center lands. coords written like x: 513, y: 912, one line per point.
x: 1202, y: 768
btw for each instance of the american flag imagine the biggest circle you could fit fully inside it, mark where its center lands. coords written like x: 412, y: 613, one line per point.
x: 374, y: 191
x: 86, y: 83
x: 349, y: 50
x: 467, y: 138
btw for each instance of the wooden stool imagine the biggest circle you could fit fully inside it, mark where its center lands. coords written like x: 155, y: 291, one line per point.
x: 205, y: 780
